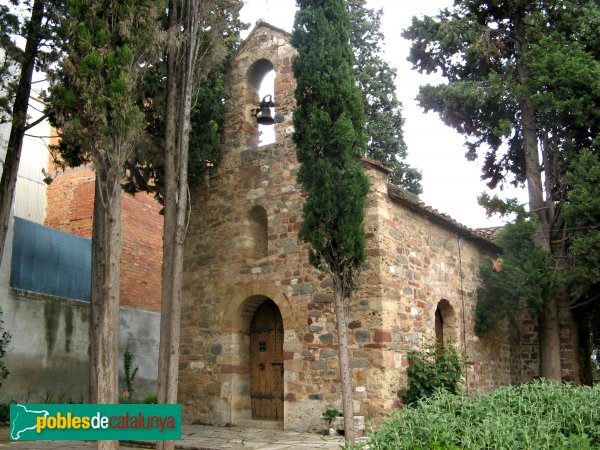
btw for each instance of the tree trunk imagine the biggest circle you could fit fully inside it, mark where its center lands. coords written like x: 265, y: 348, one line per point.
x: 106, y: 271
x: 19, y: 120
x: 548, y: 320
x: 550, y: 366
x: 167, y: 372
x: 342, y: 330
x: 179, y: 104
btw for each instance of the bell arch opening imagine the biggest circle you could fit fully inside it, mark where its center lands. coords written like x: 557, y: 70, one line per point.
x: 261, y: 85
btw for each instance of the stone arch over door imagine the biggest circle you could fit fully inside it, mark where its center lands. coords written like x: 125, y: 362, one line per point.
x: 239, y: 307
x: 238, y: 313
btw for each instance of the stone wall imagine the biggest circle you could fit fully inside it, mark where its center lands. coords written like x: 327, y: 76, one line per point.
x: 427, y: 260
x: 413, y: 263
x: 416, y: 259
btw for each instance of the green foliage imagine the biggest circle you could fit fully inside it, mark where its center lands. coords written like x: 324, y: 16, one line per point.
x: 4, y: 413
x: 93, y: 92
x: 330, y: 138
x: 9, y: 54
x: 493, y: 55
x: 145, y: 169
x: 523, y: 276
x: 150, y: 399
x: 435, y: 367
x: 50, y: 397
x: 130, y: 373
x: 582, y: 217
x: 5, y: 338
x: 383, y: 111
x: 331, y: 414
x: 15, y: 17
x: 540, y: 415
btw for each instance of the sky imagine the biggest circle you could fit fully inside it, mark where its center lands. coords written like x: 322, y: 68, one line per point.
x: 451, y: 184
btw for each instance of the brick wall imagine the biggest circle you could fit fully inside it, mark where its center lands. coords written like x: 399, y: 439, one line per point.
x: 141, y: 260
x: 70, y: 209
x: 71, y: 202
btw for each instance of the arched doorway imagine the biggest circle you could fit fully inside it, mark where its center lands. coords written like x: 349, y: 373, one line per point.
x: 266, y: 362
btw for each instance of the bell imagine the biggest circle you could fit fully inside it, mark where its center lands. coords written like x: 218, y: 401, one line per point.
x: 263, y: 112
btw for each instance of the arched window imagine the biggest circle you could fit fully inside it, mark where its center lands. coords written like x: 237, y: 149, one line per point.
x: 261, y: 82
x: 445, y: 323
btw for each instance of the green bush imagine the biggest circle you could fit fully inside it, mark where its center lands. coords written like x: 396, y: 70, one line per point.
x: 433, y: 368
x: 539, y: 415
x: 4, y: 412
x: 331, y: 414
x: 150, y: 399
x: 127, y: 396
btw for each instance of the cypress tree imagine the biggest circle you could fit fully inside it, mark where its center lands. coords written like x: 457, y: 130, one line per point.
x: 92, y: 102
x: 329, y: 133
x: 383, y: 111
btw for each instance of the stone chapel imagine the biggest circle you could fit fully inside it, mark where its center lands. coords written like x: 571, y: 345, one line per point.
x: 258, y: 342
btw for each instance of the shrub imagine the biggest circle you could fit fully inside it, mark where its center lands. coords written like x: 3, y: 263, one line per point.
x: 4, y: 413
x: 331, y: 414
x: 150, y: 399
x: 539, y: 415
x: 433, y: 368
x: 130, y: 373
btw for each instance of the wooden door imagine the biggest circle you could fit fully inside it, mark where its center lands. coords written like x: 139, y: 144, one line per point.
x: 266, y: 362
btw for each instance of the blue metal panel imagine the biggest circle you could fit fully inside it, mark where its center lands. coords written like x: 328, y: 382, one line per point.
x: 50, y: 262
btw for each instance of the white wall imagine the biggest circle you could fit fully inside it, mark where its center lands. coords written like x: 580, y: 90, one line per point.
x: 30, y: 193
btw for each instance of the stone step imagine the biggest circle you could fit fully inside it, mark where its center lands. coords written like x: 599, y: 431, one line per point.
x: 263, y: 424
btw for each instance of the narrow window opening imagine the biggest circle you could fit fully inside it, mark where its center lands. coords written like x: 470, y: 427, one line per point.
x: 445, y: 326
x: 258, y: 224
